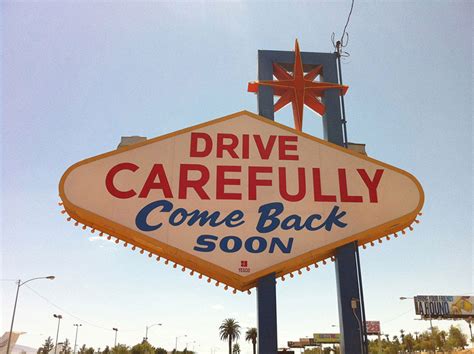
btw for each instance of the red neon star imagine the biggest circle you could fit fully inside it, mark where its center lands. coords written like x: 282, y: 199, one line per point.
x: 297, y: 88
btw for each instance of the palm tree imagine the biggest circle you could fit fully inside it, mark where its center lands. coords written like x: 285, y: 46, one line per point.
x: 236, y: 349
x: 229, y: 330
x: 251, y: 336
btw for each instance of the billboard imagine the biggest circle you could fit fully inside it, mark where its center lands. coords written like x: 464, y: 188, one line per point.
x: 326, y: 338
x: 239, y: 197
x: 442, y: 306
x: 372, y: 327
x: 295, y: 344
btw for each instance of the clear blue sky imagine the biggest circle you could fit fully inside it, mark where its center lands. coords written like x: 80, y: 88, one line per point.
x: 78, y: 76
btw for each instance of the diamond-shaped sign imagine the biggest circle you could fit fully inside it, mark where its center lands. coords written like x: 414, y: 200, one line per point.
x: 240, y: 197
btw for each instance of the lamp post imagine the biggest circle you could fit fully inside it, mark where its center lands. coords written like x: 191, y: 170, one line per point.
x: 59, y: 317
x: 176, y: 343
x: 19, y: 283
x: 116, y: 330
x: 148, y: 327
x: 431, y: 323
x: 75, y: 340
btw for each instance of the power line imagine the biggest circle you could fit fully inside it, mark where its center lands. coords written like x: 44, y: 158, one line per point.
x: 347, y: 22
x: 72, y: 315
x: 342, y: 42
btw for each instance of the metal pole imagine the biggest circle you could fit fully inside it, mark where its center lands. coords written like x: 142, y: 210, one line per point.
x: 176, y: 345
x: 470, y: 330
x: 433, y: 342
x: 13, y: 316
x: 19, y: 283
x: 75, y: 339
x: 146, y: 333
x: 344, y: 126
x: 266, y: 289
x: 57, y: 333
x: 267, y: 315
x: 362, y: 306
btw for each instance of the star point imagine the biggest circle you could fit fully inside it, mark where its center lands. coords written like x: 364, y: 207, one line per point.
x: 297, y: 88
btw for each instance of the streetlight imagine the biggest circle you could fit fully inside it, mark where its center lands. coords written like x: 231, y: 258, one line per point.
x: 116, y: 330
x: 431, y: 322
x: 176, y: 343
x: 75, y: 340
x: 148, y: 327
x: 19, y: 283
x: 59, y: 317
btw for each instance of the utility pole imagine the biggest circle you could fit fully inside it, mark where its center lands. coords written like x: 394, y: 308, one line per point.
x: 115, y: 342
x: 19, y: 284
x: 75, y: 339
x: 59, y: 317
x: 148, y: 327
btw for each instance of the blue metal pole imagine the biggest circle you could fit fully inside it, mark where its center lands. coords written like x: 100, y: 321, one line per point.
x: 267, y: 315
x: 350, y: 319
x: 266, y: 287
x: 349, y: 281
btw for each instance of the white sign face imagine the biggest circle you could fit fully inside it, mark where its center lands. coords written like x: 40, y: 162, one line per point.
x: 240, y: 197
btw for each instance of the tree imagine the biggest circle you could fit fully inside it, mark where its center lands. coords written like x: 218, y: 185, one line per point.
x: 161, y: 351
x: 409, y: 342
x: 66, y: 349
x: 229, y: 330
x: 456, y: 339
x: 251, y: 336
x: 236, y: 349
x: 106, y: 350
x: 120, y: 349
x: 47, y: 346
x: 82, y: 350
x: 142, y: 348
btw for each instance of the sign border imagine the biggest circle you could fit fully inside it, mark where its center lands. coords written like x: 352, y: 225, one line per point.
x: 186, y: 260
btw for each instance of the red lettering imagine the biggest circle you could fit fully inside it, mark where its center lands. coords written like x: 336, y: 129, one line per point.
x: 264, y: 151
x: 229, y: 147
x: 150, y: 183
x: 197, y: 185
x: 345, y: 197
x: 245, y: 146
x: 301, y: 185
x: 371, y: 184
x: 109, y: 180
x: 318, y: 195
x: 222, y: 181
x: 194, y: 152
x: 254, y: 182
x: 284, y: 147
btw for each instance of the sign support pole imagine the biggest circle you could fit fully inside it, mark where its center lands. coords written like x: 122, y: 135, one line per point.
x: 350, y: 301
x: 266, y: 288
x: 267, y: 315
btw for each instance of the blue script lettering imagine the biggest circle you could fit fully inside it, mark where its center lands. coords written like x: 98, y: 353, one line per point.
x: 142, y: 215
x: 181, y: 215
x: 269, y: 219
